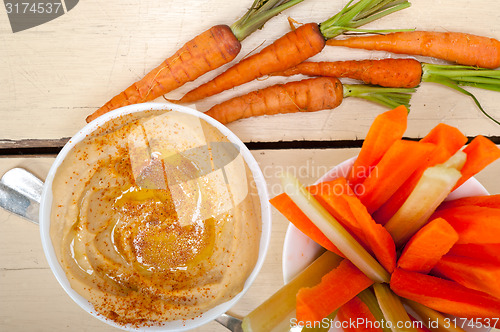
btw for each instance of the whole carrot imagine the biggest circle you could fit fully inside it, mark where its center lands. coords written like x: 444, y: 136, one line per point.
x: 296, y: 46
x: 461, y: 48
x: 404, y: 73
x: 396, y: 73
x: 207, y: 51
x: 308, y: 95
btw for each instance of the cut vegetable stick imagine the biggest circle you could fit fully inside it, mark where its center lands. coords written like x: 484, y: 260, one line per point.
x: 480, y: 153
x: 294, y: 214
x: 393, y: 309
x: 447, y: 137
x: 329, y: 195
x: 369, y: 298
x: 277, y: 308
x: 395, y: 167
x: 313, y: 304
x: 445, y: 296
x: 386, y: 129
x: 357, y: 311
x: 377, y: 237
x: 429, y: 316
x: 478, y: 275
x: 487, y: 252
x: 394, y: 203
x: 432, y: 188
x: 474, y: 224
x: 491, y: 201
x: 333, y: 230
x: 448, y: 141
x: 427, y: 246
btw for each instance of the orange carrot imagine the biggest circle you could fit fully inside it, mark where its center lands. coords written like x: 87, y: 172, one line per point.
x: 395, y: 167
x: 462, y: 48
x: 279, y: 55
x: 315, y: 303
x: 487, y: 252
x: 294, y: 47
x: 480, y: 153
x: 492, y: 201
x: 478, y: 275
x: 427, y: 246
x: 395, y: 73
x: 207, y: 51
x: 448, y: 140
x: 308, y: 95
x: 357, y: 311
x: 376, y: 236
x: 445, y: 296
x: 386, y: 129
x: 474, y: 224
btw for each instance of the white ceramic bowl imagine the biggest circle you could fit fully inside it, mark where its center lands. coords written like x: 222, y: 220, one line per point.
x: 299, y: 250
x: 46, y: 204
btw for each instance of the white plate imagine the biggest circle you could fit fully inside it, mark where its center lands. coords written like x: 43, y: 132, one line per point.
x: 299, y: 250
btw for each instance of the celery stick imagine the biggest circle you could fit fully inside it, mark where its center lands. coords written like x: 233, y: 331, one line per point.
x: 437, y: 319
x: 457, y: 161
x: 395, y: 314
x: 371, y: 302
x: 334, y: 231
x: 432, y: 188
x: 274, y: 313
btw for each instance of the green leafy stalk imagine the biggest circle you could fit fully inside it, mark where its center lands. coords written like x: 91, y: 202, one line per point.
x: 364, y: 11
x: 258, y: 14
x: 333, y: 230
x: 456, y: 76
x: 389, y: 97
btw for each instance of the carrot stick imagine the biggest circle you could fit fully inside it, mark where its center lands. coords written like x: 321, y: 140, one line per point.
x: 462, y: 48
x: 207, y: 51
x: 474, y: 224
x: 386, y: 129
x: 492, y: 201
x: 315, y: 303
x: 446, y: 296
x: 395, y: 167
x: 393, y: 73
x: 480, y: 153
x: 468, y: 272
x: 376, y: 236
x: 448, y: 141
x: 355, y: 311
x: 294, y: 47
x: 427, y: 246
x: 308, y: 95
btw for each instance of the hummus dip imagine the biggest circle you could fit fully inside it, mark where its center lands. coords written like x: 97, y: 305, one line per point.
x: 155, y: 217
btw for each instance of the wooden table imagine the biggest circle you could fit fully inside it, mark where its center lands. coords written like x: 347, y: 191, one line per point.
x: 54, y: 75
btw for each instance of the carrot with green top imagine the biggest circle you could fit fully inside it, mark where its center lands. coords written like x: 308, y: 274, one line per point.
x: 211, y: 49
x: 462, y: 48
x: 308, y: 95
x: 403, y: 73
x: 296, y: 46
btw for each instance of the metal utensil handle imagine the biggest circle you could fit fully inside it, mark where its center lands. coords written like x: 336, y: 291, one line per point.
x: 21, y: 193
x: 231, y: 323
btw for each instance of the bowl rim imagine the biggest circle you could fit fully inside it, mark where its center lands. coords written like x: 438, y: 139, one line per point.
x: 46, y: 203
